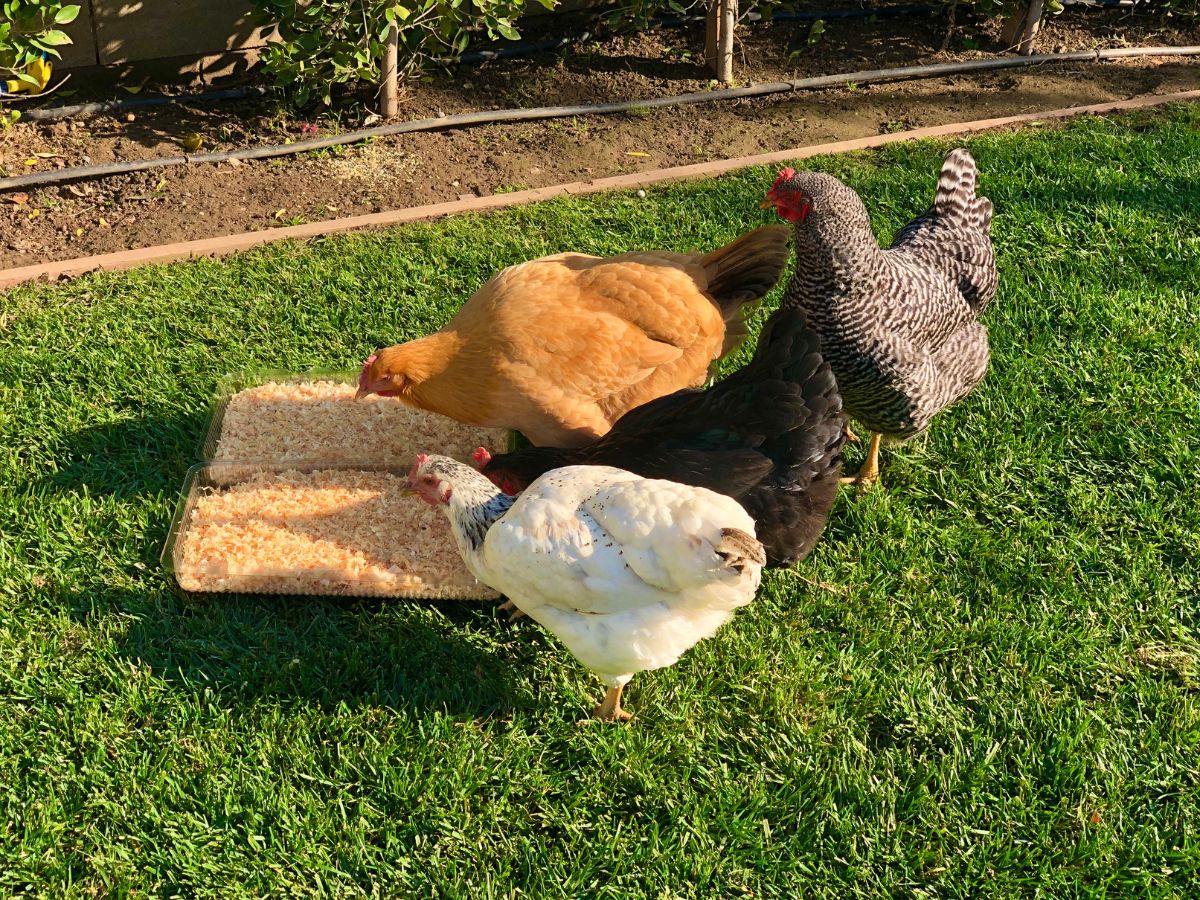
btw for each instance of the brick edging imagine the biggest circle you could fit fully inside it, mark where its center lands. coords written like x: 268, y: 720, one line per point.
x: 220, y: 246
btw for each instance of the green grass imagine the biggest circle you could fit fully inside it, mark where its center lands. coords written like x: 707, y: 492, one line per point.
x: 983, y: 683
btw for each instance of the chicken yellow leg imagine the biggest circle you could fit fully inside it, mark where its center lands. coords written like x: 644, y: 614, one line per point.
x: 869, y: 473
x: 511, y: 608
x: 610, y: 710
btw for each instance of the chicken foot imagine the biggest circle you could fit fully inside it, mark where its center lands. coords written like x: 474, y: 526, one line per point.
x: 610, y: 709
x: 869, y: 473
x: 515, y: 614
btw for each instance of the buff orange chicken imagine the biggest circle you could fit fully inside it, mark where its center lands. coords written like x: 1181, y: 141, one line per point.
x: 561, y: 347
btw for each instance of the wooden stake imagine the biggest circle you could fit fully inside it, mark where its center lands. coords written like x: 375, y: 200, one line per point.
x: 728, y: 23
x: 712, y: 28
x: 1033, y: 24
x: 1019, y: 30
x: 389, y: 82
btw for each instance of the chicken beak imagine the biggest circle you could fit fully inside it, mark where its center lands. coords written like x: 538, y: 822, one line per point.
x: 766, y: 203
x: 366, y: 387
x: 364, y: 378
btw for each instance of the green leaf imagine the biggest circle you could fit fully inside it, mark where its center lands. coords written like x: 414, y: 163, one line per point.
x: 66, y: 15
x: 505, y: 28
x: 55, y: 38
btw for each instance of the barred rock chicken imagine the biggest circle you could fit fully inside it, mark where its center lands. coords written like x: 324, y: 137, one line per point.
x: 900, y: 327
x: 559, y: 348
x: 628, y: 572
x: 770, y: 436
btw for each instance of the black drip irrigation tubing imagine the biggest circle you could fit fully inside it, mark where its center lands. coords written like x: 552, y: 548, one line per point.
x: 57, y: 113
x: 555, y: 112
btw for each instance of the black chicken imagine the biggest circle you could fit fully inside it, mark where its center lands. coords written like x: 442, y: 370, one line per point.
x: 770, y: 436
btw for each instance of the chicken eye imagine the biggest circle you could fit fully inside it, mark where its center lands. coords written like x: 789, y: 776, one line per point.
x: 426, y: 479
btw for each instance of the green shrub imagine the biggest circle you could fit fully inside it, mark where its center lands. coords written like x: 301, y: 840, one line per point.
x: 326, y: 43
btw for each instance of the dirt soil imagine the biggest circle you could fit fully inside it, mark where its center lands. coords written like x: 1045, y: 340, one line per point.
x: 197, y: 201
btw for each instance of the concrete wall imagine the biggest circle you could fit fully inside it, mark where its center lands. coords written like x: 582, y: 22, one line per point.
x: 195, y: 35
x: 110, y: 32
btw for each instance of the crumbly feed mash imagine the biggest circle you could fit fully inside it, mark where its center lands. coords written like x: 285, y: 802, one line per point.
x: 319, y: 421
x: 331, y: 531
x: 266, y: 522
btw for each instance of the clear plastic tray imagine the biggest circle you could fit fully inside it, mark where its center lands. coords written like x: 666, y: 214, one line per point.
x: 314, y: 537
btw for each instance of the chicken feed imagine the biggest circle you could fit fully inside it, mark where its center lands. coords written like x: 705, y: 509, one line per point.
x: 319, y: 421
x: 304, y: 496
x: 331, y: 531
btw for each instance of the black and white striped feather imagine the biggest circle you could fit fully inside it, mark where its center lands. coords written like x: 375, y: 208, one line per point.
x: 899, y: 326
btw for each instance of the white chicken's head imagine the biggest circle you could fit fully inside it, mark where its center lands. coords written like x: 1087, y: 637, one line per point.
x: 432, y: 478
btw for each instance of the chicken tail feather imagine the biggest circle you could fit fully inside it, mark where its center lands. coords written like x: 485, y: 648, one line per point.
x: 740, y: 549
x: 955, y: 198
x: 742, y: 272
x: 981, y: 215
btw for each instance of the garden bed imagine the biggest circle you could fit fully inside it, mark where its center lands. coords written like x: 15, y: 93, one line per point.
x: 185, y: 203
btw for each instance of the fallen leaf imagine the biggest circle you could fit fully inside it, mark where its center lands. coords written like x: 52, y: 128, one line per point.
x: 162, y: 184
x: 33, y: 214
x: 76, y: 191
x: 133, y: 89
x: 18, y: 199
x: 279, y: 213
x: 1094, y: 818
x: 103, y: 222
x: 78, y: 232
x: 192, y: 142
x: 635, y: 153
x: 47, y: 155
x: 31, y: 162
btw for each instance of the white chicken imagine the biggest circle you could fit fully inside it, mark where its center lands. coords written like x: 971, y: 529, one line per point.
x: 628, y: 572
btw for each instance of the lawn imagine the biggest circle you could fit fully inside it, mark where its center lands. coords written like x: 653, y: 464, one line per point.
x: 984, y: 681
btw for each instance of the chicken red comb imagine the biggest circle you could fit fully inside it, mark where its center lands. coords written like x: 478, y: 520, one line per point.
x: 366, y: 367
x: 784, y: 175
x: 481, y: 456
x: 422, y: 458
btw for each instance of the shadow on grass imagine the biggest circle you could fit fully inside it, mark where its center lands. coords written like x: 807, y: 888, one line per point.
x: 128, y: 458
x: 399, y: 654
